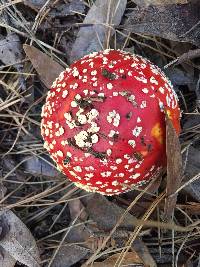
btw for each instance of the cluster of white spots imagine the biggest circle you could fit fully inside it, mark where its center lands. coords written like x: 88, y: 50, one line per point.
x: 106, y: 174
x: 126, y: 156
x: 91, y: 64
x: 121, y: 71
x: 143, y: 66
x: 152, y: 96
x: 84, y: 80
x: 68, y: 116
x: 105, y: 60
x: 127, y: 57
x: 135, y: 176
x: 75, y: 72
x: 130, y: 73
x: 94, y: 79
x: 126, y: 166
x: 131, y: 99
x: 143, y: 104
x: 92, y: 114
x: 46, y: 145
x: 81, y: 139
x: 94, y: 72
x: 132, y: 143
x: 115, y: 183
x: 121, y: 174
x: 82, y: 119
x: 153, y: 80
x: 141, y: 79
x: 111, y: 143
x: 161, y: 105
x: 106, y: 51
x: 101, y: 95
x: 88, y: 176
x: 85, y: 70
x: 154, y: 69
x: 132, y: 160
x: 95, y: 84
x: 109, y: 152
x: 112, y: 133
x: 162, y: 90
x: 61, y: 76
x: 73, y: 86
x: 89, y: 168
x: 92, y: 55
x: 85, y: 92
x: 168, y: 100
x: 152, y: 168
x: 69, y: 154
x: 109, y: 190
x: 134, y: 64
x: 64, y: 94
x: 54, y: 83
x: 114, y: 168
x: 46, y: 132
x: 93, y: 128
x: 145, y: 90
x: 60, y: 153
x: 138, y: 119
x: 115, y: 93
x: 78, y: 168
x: 68, y: 70
x: 137, y: 166
x: 99, y: 182
x: 60, y: 131
x: 109, y: 86
x: 114, y: 118
x: 94, y: 138
x: 137, y: 130
x: 51, y: 146
x: 87, y: 187
x: 64, y: 84
x: 74, y: 104
x: 118, y: 161
x: 71, y: 123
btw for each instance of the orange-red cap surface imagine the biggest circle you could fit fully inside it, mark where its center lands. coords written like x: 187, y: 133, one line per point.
x: 103, y: 122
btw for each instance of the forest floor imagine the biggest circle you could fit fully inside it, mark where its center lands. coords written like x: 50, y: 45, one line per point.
x: 44, y: 219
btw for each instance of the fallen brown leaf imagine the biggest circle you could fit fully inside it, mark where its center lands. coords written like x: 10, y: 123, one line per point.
x: 47, y: 68
x: 174, y: 169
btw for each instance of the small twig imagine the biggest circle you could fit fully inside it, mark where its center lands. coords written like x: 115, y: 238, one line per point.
x: 191, y: 54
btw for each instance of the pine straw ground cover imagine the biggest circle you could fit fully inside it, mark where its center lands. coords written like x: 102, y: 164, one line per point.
x: 45, y: 220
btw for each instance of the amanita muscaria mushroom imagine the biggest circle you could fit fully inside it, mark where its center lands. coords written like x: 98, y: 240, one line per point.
x: 104, y: 121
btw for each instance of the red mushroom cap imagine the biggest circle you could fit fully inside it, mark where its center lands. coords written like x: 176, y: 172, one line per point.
x: 104, y: 124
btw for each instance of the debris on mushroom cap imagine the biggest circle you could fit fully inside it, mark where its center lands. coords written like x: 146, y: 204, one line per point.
x: 104, y: 121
